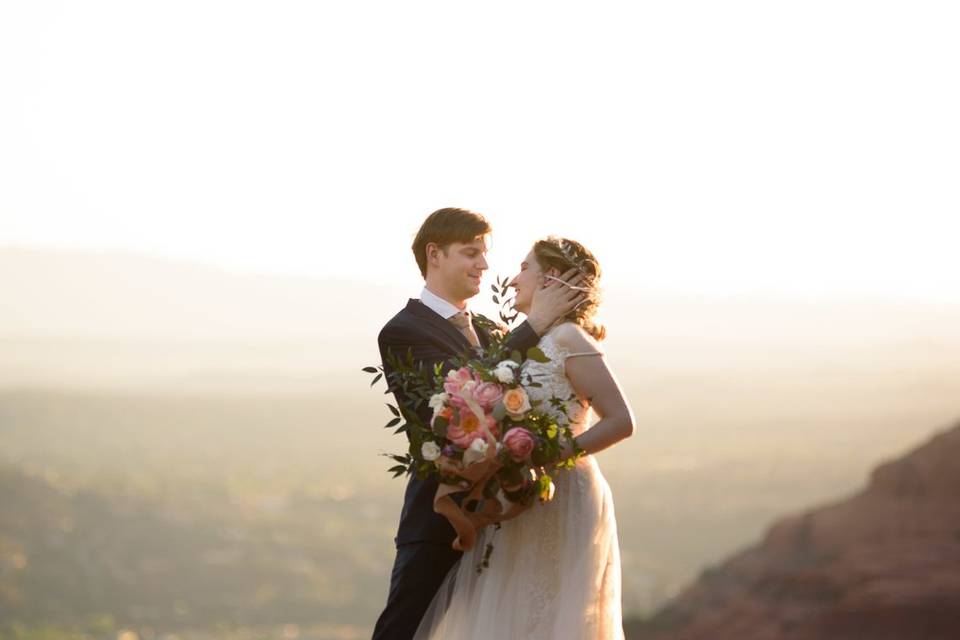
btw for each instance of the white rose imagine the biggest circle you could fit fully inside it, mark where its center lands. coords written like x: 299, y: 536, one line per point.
x: 476, y: 451
x: 504, y: 371
x: 479, y: 444
x: 438, y: 400
x: 430, y: 451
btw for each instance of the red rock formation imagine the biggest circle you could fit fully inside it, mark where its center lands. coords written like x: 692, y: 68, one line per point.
x: 881, y: 565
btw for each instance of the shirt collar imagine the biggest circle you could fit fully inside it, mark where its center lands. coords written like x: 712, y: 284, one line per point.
x: 443, y: 308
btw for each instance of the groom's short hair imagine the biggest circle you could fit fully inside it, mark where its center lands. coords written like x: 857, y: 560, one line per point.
x: 443, y: 227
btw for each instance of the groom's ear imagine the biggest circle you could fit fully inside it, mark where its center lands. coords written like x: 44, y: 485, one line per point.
x: 431, y: 251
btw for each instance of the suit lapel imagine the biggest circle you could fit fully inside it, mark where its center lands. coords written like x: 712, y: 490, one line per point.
x: 482, y: 335
x: 443, y: 327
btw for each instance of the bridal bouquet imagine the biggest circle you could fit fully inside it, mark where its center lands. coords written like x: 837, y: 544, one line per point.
x: 486, y: 436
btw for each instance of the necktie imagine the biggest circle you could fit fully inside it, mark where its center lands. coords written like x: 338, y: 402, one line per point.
x: 462, y: 321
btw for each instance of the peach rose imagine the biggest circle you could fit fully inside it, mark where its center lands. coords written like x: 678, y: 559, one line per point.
x: 516, y: 402
x: 520, y: 443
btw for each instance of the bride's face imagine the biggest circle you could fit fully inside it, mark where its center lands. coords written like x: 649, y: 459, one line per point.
x: 526, y: 282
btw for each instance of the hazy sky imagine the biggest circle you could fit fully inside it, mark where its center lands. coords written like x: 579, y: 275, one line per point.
x: 724, y: 147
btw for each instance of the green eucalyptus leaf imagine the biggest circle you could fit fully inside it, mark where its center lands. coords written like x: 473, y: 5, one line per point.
x: 535, y: 354
x: 543, y: 487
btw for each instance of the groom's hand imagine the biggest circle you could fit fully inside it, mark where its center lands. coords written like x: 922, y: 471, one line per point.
x: 555, y: 300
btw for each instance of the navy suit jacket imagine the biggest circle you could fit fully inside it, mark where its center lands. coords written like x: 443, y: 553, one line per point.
x: 432, y: 339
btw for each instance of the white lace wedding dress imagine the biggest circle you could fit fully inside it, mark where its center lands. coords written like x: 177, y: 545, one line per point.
x: 555, y: 570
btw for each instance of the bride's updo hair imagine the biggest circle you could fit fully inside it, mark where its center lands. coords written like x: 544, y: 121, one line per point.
x: 563, y: 254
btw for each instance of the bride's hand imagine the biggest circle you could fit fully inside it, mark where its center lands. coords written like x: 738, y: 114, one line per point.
x: 555, y: 299
x: 565, y: 454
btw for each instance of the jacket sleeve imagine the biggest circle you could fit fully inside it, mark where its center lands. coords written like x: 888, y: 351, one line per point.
x: 400, y: 340
x: 522, y: 338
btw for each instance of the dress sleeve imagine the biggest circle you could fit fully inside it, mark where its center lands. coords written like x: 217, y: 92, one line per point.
x: 585, y: 353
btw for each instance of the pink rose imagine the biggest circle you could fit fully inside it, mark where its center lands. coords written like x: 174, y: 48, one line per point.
x: 467, y: 392
x: 458, y: 402
x: 456, y: 379
x: 488, y: 394
x: 467, y: 428
x: 519, y: 442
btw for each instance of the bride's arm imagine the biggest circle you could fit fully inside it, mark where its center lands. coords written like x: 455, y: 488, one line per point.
x: 591, y: 378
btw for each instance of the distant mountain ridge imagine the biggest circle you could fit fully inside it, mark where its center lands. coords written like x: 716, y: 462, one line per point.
x: 95, y: 294
x: 81, y: 293
x: 71, y: 317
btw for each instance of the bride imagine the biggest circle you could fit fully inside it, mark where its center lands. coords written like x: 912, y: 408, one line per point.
x: 555, y: 570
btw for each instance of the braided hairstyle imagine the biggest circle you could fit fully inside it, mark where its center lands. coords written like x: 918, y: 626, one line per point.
x: 563, y: 254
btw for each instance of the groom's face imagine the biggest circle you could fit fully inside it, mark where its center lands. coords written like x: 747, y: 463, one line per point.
x: 460, y: 268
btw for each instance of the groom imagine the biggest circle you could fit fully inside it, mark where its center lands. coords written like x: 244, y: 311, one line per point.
x: 450, y: 249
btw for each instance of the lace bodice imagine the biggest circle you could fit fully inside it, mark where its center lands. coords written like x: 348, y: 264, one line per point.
x: 556, y: 384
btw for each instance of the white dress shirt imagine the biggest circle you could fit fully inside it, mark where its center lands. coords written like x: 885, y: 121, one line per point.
x: 445, y: 309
